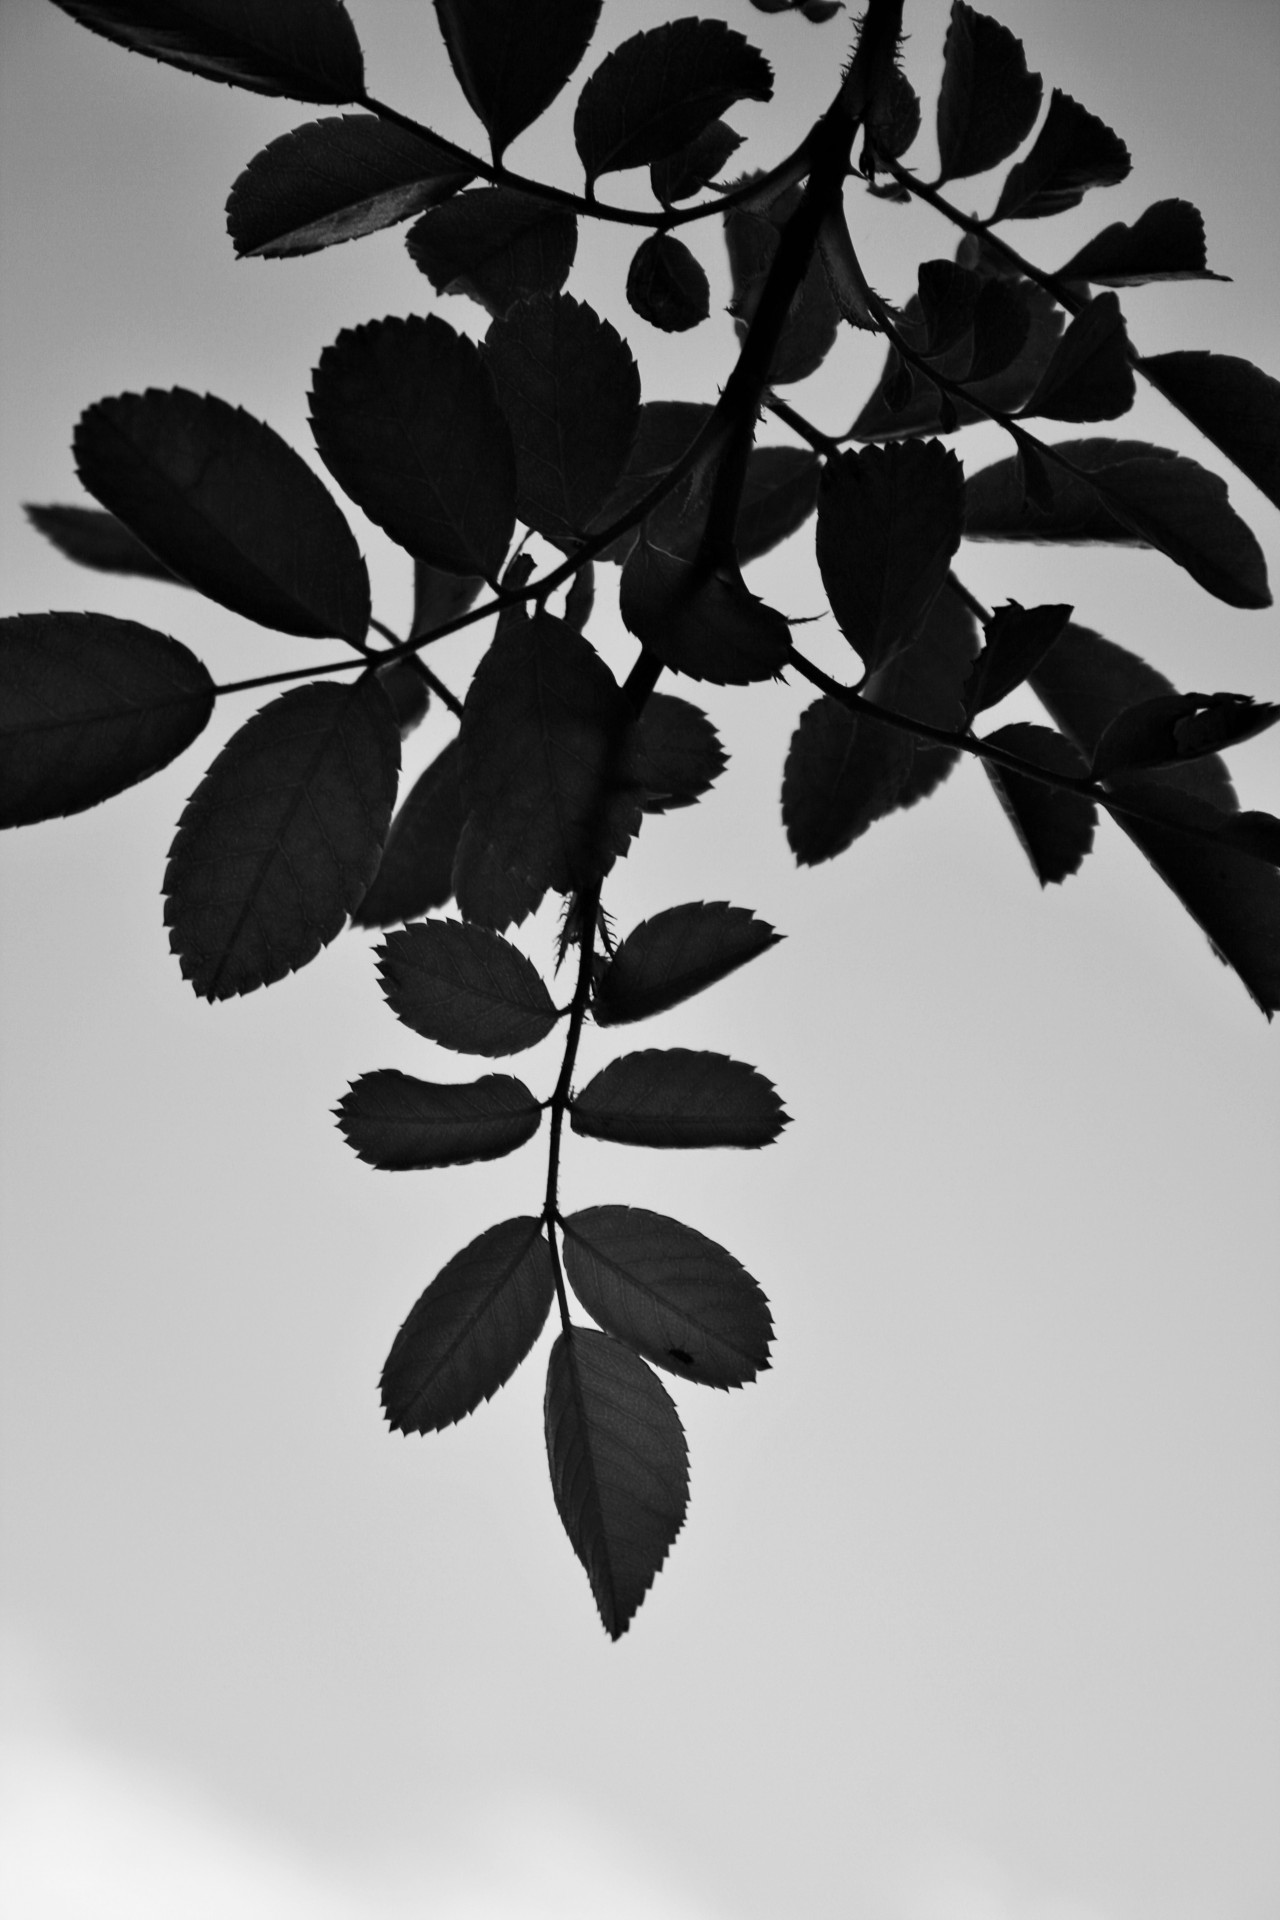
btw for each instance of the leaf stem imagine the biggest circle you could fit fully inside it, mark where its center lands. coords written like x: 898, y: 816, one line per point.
x: 587, y: 905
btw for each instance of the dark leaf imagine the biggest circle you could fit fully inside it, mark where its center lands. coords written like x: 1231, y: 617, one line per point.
x: 702, y: 622
x: 672, y: 1097
x: 619, y: 1467
x: 813, y: 318
x: 415, y: 873
x: 1090, y: 376
x: 334, y: 180
x: 666, y: 285
x: 677, y: 1297
x: 844, y: 771
x: 470, y: 1330
x: 407, y: 422
x: 1178, y: 726
x: 1073, y: 152
x: 490, y: 892
x: 90, y: 705
x: 466, y: 988
x: 227, y: 505
x: 1016, y: 641
x: 659, y: 90
x: 97, y: 539
x: 570, y: 390
x: 1233, y: 403
x: 303, y: 49
x: 581, y: 597
x: 512, y: 57
x: 496, y: 246
x: 1254, y: 833
x: 1164, y: 243
x: 439, y: 597
x: 665, y: 432
x: 405, y: 1125
x: 895, y: 120
x: 1054, y: 826
x: 927, y: 682
x: 281, y: 839
x: 676, y: 954
x: 408, y: 690
x: 681, y: 175
x: 672, y: 756
x: 780, y: 493
x: 988, y: 102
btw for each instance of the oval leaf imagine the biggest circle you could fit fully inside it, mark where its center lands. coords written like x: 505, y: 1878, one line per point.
x: 405, y: 1125
x: 666, y: 285
x: 1164, y: 243
x: 672, y: 756
x: 465, y: 988
x: 659, y: 90
x: 844, y: 771
x: 674, y: 1097
x: 1054, y: 826
x: 988, y: 102
x: 303, y: 49
x: 1179, y: 726
x: 496, y: 246
x: 489, y: 892
x: 703, y: 622
x: 415, y: 872
x: 674, y: 955
x: 96, y: 539
x: 512, y: 57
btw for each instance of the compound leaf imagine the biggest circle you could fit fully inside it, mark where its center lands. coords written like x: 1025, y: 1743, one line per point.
x: 988, y: 102
x: 1073, y: 152
x: 466, y: 988
x: 660, y: 89
x: 405, y: 1125
x: 674, y: 1097
x: 302, y: 49
x: 676, y: 954
x: 496, y: 246
x: 666, y: 285
x: 512, y: 57
x: 1054, y: 826
x: 415, y: 872
x: 1234, y: 404
x: 94, y: 538
x: 1164, y: 243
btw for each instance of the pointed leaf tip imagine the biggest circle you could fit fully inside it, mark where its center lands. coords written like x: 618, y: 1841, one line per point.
x: 675, y: 1097
x: 301, y: 49
x: 676, y: 954
x: 512, y: 57
x: 466, y: 988
x: 660, y: 89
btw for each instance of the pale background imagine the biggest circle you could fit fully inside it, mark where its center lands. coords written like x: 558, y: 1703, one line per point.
x: 975, y: 1616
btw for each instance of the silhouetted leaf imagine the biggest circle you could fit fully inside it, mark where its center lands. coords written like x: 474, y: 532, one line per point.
x: 469, y: 1331
x: 496, y: 246
x: 439, y: 597
x: 466, y: 988
x: 1073, y: 152
x: 1054, y: 826
x: 1016, y: 641
x: 657, y: 91
x: 926, y: 681
x: 672, y: 755
x: 988, y: 102
x: 672, y: 1097
x: 226, y: 504
x: 407, y: 422
x: 1089, y: 377
x: 94, y: 538
x: 333, y: 180
x: 665, y: 432
x: 1254, y: 833
x: 813, y: 318
x: 405, y: 1125
x: 683, y: 174
x: 581, y: 597
x: 282, y: 837
x: 1164, y: 243
x: 702, y: 622
x: 1174, y: 727
x: 815, y: 11
x: 512, y: 57
x: 619, y: 1467
x: 90, y: 705
x: 677, y: 1297
x: 676, y: 954
x: 570, y: 390
x: 491, y: 892
x: 780, y: 493
x: 844, y: 771
x: 895, y: 118
x: 666, y: 285
x: 1233, y: 403
x: 415, y: 873
x: 409, y: 692
x: 303, y: 49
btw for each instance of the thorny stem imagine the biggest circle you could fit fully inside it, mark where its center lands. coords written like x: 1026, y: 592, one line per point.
x: 588, y: 904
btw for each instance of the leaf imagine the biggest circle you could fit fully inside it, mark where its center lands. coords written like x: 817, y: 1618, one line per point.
x: 1054, y: 826
x: 1234, y: 404
x: 1073, y: 152
x: 674, y: 955
x: 469, y: 1331
x: 619, y: 1467
x: 780, y: 492
x: 665, y: 432
x: 496, y: 246
x: 1130, y: 494
x: 490, y: 892
x: 889, y: 520
x: 333, y: 180
x: 1255, y: 833
x: 90, y: 705
x: 704, y: 622
x: 672, y: 755
x: 988, y: 102
x: 303, y: 49
x: 844, y: 771
x: 439, y: 597
x: 1017, y: 639
x: 406, y: 420
x: 695, y: 166
x: 666, y: 285
x: 415, y: 872
x: 282, y: 837
x: 659, y: 90
x: 673, y: 1097
x: 1174, y: 727
x: 669, y: 1292
x: 813, y: 318
x: 512, y: 57
x: 404, y: 1125
x: 570, y: 390
x: 97, y: 539
x: 1164, y: 243
x: 926, y: 682
x: 465, y: 988
x: 227, y: 505
x: 1090, y: 376
x: 408, y: 690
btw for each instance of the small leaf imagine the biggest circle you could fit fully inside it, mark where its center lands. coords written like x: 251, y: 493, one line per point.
x: 677, y: 1297
x: 302, y: 49
x: 1178, y: 726
x: 1164, y: 243
x: 1073, y: 152
x: 469, y: 1331
x: 1234, y: 404
x: 512, y: 57
x: 408, y: 690
x: 673, y: 1097
x: 281, y: 839
x: 659, y: 90
x: 683, y: 174
x: 1054, y: 826
x: 676, y: 954
x: 1017, y: 639
x: 439, y: 597
x: 405, y: 1125
x: 780, y: 492
x: 672, y: 756
x: 90, y: 705
x: 415, y: 872
x: 496, y: 246
x: 97, y: 539
x: 227, y: 505
x: 490, y: 892
x: 1090, y: 376
x: 988, y: 102
x: 407, y: 422
x: 333, y: 180
x: 465, y: 988
x: 666, y: 285
x: 619, y: 1467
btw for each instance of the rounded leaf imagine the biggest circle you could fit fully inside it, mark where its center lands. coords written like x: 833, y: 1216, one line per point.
x: 404, y: 1125
x: 674, y: 1097
x: 466, y: 988
x: 666, y: 285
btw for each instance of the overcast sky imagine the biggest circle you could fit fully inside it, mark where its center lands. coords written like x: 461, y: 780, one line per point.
x: 975, y: 1613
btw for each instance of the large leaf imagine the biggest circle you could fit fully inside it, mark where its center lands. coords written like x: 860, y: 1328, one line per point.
x: 1164, y: 243
x: 465, y: 988
x: 336, y: 179
x: 94, y: 538
x: 672, y: 755
x: 1073, y: 152
x: 512, y: 57
x: 227, y: 505
x: 570, y: 390
x: 674, y: 1097
x: 677, y: 1297
x: 90, y: 705
x: 1054, y: 826
x: 405, y: 1125
x: 619, y: 1467
x: 407, y: 422
x: 496, y: 246
x: 282, y: 837
x: 1090, y: 376
x: 415, y: 872
x: 659, y: 90
x: 988, y: 101
x: 666, y: 284
x: 675, y: 954
x: 303, y: 49
x: 469, y: 1331
x: 1234, y: 404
